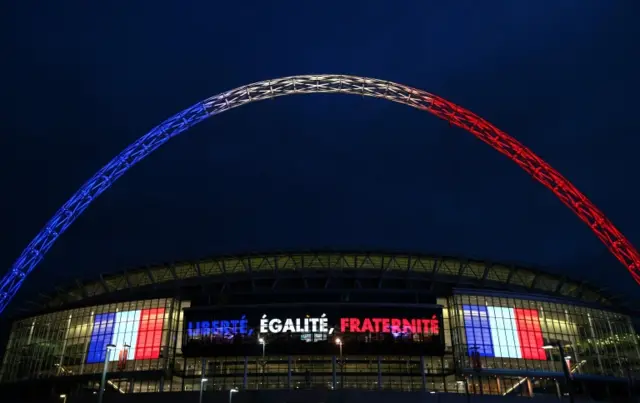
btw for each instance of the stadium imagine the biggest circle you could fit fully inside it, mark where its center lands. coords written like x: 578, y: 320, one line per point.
x: 325, y: 322
x: 322, y: 326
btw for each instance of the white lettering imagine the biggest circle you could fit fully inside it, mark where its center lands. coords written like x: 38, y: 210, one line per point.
x: 314, y: 324
x: 295, y: 325
x: 324, y: 325
x: 289, y: 326
x: 275, y: 326
x: 264, y: 323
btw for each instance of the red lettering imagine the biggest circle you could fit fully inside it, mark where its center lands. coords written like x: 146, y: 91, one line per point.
x: 377, y: 322
x: 354, y: 325
x: 395, y: 325
x: 425, y: 326
x: 366, y: 325
x: 344, y: 324
x: 435, y: 325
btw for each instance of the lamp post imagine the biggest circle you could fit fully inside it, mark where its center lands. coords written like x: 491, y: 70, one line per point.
x: 341, y: 363
x: 108, y: 348
x: 202, y: 382
x: 264, y: 343
x: 64, y: 398
x: 565, y: 366
x: 339, y: 343
x: 231, y: 392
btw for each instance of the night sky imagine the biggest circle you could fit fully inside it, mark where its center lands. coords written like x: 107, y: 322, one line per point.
x: 82, y: 80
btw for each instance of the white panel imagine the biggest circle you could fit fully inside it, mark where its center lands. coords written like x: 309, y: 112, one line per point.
x: 125, y: 332
x: 504, y: 332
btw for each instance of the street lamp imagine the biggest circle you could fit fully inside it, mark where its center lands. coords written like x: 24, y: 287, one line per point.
x: 64, y: 398
x: 264, y: 344
x: 339, y: 343
x: 231, y: 392
x: 109, y: 347
x: 565, y: 366
x: 202, y: 382
x: 340, y: 362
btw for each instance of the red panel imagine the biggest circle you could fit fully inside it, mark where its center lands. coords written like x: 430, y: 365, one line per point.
x: 530, y: 334
x: 541, y: 171
x: 150, y: 334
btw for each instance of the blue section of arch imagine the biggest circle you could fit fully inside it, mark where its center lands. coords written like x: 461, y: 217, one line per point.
x: 94, y: 187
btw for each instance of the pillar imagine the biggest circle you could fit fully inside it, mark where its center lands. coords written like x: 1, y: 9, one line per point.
x: 333, y: 372
x: 529, y: 387
x: 289, y: 372
x: 245, y: 378
x: 379, y: 373
x: 423, y: 373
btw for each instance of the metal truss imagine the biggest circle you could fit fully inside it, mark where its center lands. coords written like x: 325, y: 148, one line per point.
x: 619, y: 246
x: 319, y: 272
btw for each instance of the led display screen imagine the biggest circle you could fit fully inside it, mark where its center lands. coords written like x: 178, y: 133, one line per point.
x: 125, y: 332
x: 140, y: 330
x: 478, y: 330
x: 530, y: 334
x: 101, y: 335
x: 504, y: 332
x: 312, y: 329
x: 150, y: 334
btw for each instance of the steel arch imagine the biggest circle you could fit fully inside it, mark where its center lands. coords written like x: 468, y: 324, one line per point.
x: 619, y: 246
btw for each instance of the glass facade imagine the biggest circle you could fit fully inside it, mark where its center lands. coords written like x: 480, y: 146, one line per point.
x: 523, y: 335
x: 72, y: 342
x: 493, y: 345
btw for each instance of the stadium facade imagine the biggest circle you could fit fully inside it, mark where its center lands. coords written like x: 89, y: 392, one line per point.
x: 326, y: 321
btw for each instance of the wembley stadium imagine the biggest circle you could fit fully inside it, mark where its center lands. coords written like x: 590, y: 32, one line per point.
x: 324, y: 322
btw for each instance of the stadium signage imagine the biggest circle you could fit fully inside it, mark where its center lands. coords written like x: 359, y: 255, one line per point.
x: 390, y: 325
x: 295, y: 325
x: 224, y: 328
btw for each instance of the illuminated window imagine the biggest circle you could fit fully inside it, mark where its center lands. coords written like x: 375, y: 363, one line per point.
x: 503, y: 332
x: 100, y: 336
x: 530, y: 334
x: 478, y: 330
x: 150, y: 334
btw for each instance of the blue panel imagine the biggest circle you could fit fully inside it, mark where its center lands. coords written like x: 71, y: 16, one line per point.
x: 478, y: 330
x: 101, y: 335
x: 504, y: 332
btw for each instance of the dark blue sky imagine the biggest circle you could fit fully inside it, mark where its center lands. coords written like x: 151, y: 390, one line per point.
x: 81, y: 80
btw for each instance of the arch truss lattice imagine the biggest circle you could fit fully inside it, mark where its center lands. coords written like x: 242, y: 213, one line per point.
x: 615, y: 241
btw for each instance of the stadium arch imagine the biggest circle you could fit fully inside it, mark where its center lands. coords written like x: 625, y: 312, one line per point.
x: 614, y: 240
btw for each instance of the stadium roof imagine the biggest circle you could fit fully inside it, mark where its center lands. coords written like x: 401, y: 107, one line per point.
x: 461, y: 272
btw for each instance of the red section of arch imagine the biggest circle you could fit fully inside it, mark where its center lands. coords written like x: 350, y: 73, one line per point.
x: 617, y: 244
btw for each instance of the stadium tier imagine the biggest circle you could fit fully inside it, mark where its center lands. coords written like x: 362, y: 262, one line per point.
x: 325, y: 321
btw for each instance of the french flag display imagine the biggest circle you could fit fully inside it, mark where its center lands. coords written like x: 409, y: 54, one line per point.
x: 494, y: 331
x: 140, y: 330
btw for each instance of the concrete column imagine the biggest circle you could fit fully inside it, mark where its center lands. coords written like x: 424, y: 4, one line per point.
x: 333, y: 372
x: 423, y: 373
x: 289, y: 372
x: 379, y: 373
x: 245, y: 378
x: 529, y: 387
